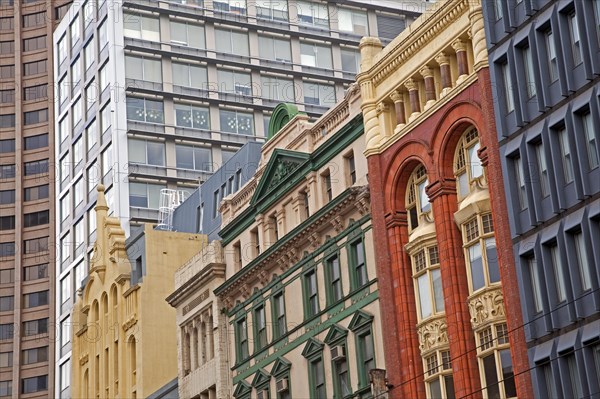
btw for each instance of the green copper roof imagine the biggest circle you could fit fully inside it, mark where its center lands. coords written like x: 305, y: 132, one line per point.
x: 282, y: 114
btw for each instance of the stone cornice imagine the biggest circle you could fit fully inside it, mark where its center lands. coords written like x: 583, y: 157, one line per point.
x: 416, y: 38
x: 284, y: 252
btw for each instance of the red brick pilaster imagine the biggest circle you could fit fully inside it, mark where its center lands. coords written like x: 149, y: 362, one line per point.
x: 398, y: 312
x: 508, y: 273
x: 411, y: 362
x: 442, y: 194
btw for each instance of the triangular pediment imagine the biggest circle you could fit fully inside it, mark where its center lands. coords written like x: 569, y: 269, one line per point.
x: 241, y: 389
x: 281, y: 168
x: 312, y: 346
x: 260, y: 378
x: 359, y: 320
x: 281, y: 366
x: 335, y: 333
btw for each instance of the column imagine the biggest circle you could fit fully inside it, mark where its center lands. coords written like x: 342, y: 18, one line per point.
x: 427, y: 74
x: 442, y: 194
x: 194, y: 347
x: 461, y: 56
x: 382, y: 110
x: 444, y: 63
x: 413, y: 95
x: 202, y: 339
x: 211, y: 338
x: 260, y: 228
x: 405, y: 308
x: 398, y: 100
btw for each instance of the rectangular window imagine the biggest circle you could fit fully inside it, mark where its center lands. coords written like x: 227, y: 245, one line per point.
x: 7, y: 197
x: 36, y: 19
x: 35, y: 355
x: 7, y: 249
x: 35, y: 142
x: 232, y: 6
x: 65, y: 289
x: 242, y: 339
x: 277, y: 89
x: 351, y: 168
x: 350, y: 60
x: 574, y: 373
x: 6, y: 359
x: 366, y: 355
x: 313, y: 14
x: 255, y: 241
x: 75, y: 31
x: 36, y: 272
x: 508, y: 88
x: 76, y: 73
x: 6, y: 71
x: 315, y: 55
x: 311, y: 293
x: 7, y: 222
x: 357, y: 257
x: 7, y: 47
x: 7, y: 331
x: 146, y: 152
x: 35, y: 327
x: 590, y: 140
x: 35, y: 92
x: 317, y: 373
x: 575, y: 40
x: 140, y: 26
x: 542, y: 170
x: 529, y: 71
x: 145, y: 110
x: 319, y: 94
x: 7, y: 171
x: 186, y: 34
x: 36, y: 245
x: 498, y: 9
x: 232, y: 42
x: 551, y: 53
x: 7, y: 23
x: 520, y: 180
x: 260, y: 328
x: 582, y: 261
x: 327, y: 189
x: 36, y: 218
x: 7, y: 96
x: 33, y: 117
x: 35, y: 67
x: 561, y: 291
x: 144, y: 195
x: 353, y: 21
x: 7, y: 146
x: 239, y: 83
x: 34, y: 44
x: 565, y: 152
x: 34, y: 384
x: 7, y: 120
x: 143, y: 68
x: 7, y: 303
x: 279, y: 321
x: 276, y: 49
x: 190, y: 75
x: 335, y: 279
x: 276, y: 10
x: 536, y: 285
x: 549, y: 380
x: 192, y: 157
x: 236, y: 122
x: 5, y: 388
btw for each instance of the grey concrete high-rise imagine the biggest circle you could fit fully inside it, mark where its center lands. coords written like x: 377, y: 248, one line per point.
x: 544, y: 63
x: 159, y: 94
x: 27, y: 197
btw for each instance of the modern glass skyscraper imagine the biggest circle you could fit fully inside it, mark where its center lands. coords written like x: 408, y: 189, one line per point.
x: 26, y: 197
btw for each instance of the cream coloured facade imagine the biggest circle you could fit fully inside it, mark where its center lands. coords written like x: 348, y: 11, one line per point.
x: 124, y: 334
x: 202, y: 328
x: 300, y: 291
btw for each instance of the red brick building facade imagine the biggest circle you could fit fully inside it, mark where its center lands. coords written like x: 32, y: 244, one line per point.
x: 445, y: 267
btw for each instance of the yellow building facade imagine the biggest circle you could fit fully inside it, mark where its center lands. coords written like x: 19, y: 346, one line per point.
x: 124, y: 332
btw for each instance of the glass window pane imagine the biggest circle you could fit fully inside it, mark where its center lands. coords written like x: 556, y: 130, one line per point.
x: 424, y: 296
x: 438, y: 291
x: 477, y: 276
x: 492, y: 260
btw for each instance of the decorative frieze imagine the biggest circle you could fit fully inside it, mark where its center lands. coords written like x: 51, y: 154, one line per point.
x: 433, y: 334
x: 487, y: 307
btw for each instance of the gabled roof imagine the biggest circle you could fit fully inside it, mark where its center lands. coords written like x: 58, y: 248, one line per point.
x: 279, y: 171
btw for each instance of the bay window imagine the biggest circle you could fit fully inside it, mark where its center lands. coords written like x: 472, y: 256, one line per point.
x: 428, y: 282
x: 438, y: 375
x: 480, y: 252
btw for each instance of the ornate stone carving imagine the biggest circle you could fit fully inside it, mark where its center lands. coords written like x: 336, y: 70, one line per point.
x: 433, y: 334
x: 410, y: 84
x: 487, y: 307
x: 314, y: 240
x: 459, y: 45
x: 442, y: 59
x: 426, y: 72
x: 338, y: 224
x: 283, y: 169
x: 396, y: 96
x: 381, y: 108
x: 245, y: 291
x: 263, y: 277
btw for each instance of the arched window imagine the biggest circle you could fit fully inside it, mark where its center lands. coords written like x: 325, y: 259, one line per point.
x: 428, y: 282
x: 467, y: 166
x: 95, y: 312
x: 417, y: 202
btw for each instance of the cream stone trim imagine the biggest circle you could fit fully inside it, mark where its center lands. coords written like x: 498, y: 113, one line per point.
x: 433, y: 334
x: 487, y: 307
